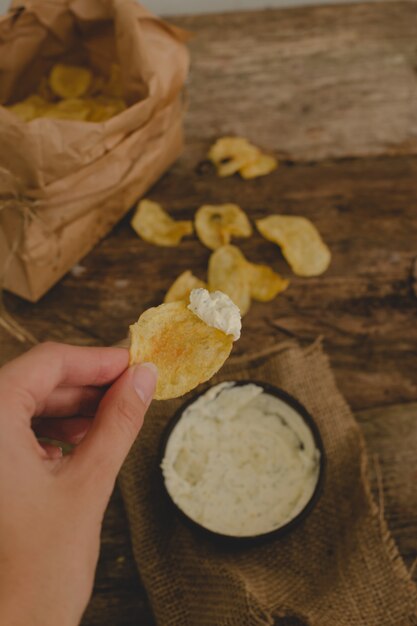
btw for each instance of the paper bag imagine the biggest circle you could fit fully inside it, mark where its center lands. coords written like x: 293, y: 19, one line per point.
x: 65, y: 183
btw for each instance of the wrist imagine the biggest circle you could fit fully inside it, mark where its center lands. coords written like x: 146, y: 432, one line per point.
x: 23, y: 605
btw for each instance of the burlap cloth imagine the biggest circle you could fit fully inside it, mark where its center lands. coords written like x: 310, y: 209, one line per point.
x: 339, y: 567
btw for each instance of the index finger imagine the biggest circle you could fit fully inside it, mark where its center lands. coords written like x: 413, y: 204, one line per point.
x: 28, y: 380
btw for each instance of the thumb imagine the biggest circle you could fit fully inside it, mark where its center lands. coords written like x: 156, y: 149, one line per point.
x: 118, y: 421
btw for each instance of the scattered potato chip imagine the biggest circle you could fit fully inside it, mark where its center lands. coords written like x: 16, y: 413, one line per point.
x: 236, y: 154
x: 185, y: 349
x: 182, y: 287
x: 69, y: 81
x: 300, y: 243
x: 73, y: 93
x: 154, y: 225
x: 228, y: 272
x: 265, y: 284
x: 263, y: 165
x: 217, y: 224
x: 229, y: 154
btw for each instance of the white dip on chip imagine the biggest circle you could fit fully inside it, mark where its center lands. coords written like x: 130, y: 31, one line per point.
x: 216, y: 309
x: 240, y: 461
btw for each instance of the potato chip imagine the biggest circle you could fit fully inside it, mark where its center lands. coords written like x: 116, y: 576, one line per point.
x: 69, y: 81
x: 182, y: 287
x: 103, y: 108
x: 228, y: 272
x: 63, y: 113
x: 26, y: 112
x: 73, y: 104
x: 300, y: 243
x: 263, y: 165
x: 70, y: 109
x: 185, y: 349
x: 154, y: 225
x: 229, y: 154
x: 31, y: 107
x: 217, y: 224
x: 265, y: 284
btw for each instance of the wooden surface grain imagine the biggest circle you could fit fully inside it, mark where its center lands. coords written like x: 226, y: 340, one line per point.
x: 333, y: 92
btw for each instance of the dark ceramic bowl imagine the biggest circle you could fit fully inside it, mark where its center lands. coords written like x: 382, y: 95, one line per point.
x: 293, y: 523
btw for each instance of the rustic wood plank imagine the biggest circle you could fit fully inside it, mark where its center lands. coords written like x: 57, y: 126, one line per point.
x: 364, y: 305
x: 310, y: 83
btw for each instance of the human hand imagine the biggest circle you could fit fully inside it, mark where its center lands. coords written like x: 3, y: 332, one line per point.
x: 52, y: 506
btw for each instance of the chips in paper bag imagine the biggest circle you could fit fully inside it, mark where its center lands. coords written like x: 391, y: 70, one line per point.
x: 300, y: 243
x: 217, y: 224
x: 73, y: 180
x: 182, y: 287
x: 185, y: 349
x: 155, y: 226
x: 228, y: 272
x: 84, y: 97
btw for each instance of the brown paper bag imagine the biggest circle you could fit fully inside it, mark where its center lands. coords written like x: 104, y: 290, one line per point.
x: 64, y: 184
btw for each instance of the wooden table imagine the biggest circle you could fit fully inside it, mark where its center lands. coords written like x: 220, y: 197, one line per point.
x: 333, y: 92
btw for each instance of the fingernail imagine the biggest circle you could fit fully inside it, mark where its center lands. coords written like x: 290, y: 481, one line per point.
x: 144, y: 381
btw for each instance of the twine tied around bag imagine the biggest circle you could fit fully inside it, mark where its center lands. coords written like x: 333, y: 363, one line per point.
x: 13, y: 196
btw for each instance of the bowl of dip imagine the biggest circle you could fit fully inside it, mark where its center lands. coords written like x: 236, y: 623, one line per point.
x: 243, y: 460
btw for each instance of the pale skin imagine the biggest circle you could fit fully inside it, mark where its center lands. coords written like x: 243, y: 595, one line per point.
x: 52, y: 506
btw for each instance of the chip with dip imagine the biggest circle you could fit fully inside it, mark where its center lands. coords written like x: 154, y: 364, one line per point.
x: 243, y: 460
x: 187, y: 343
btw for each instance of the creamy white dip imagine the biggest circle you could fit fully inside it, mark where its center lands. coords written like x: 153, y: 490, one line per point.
x: 240, y: 461
x: 216, y: 309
